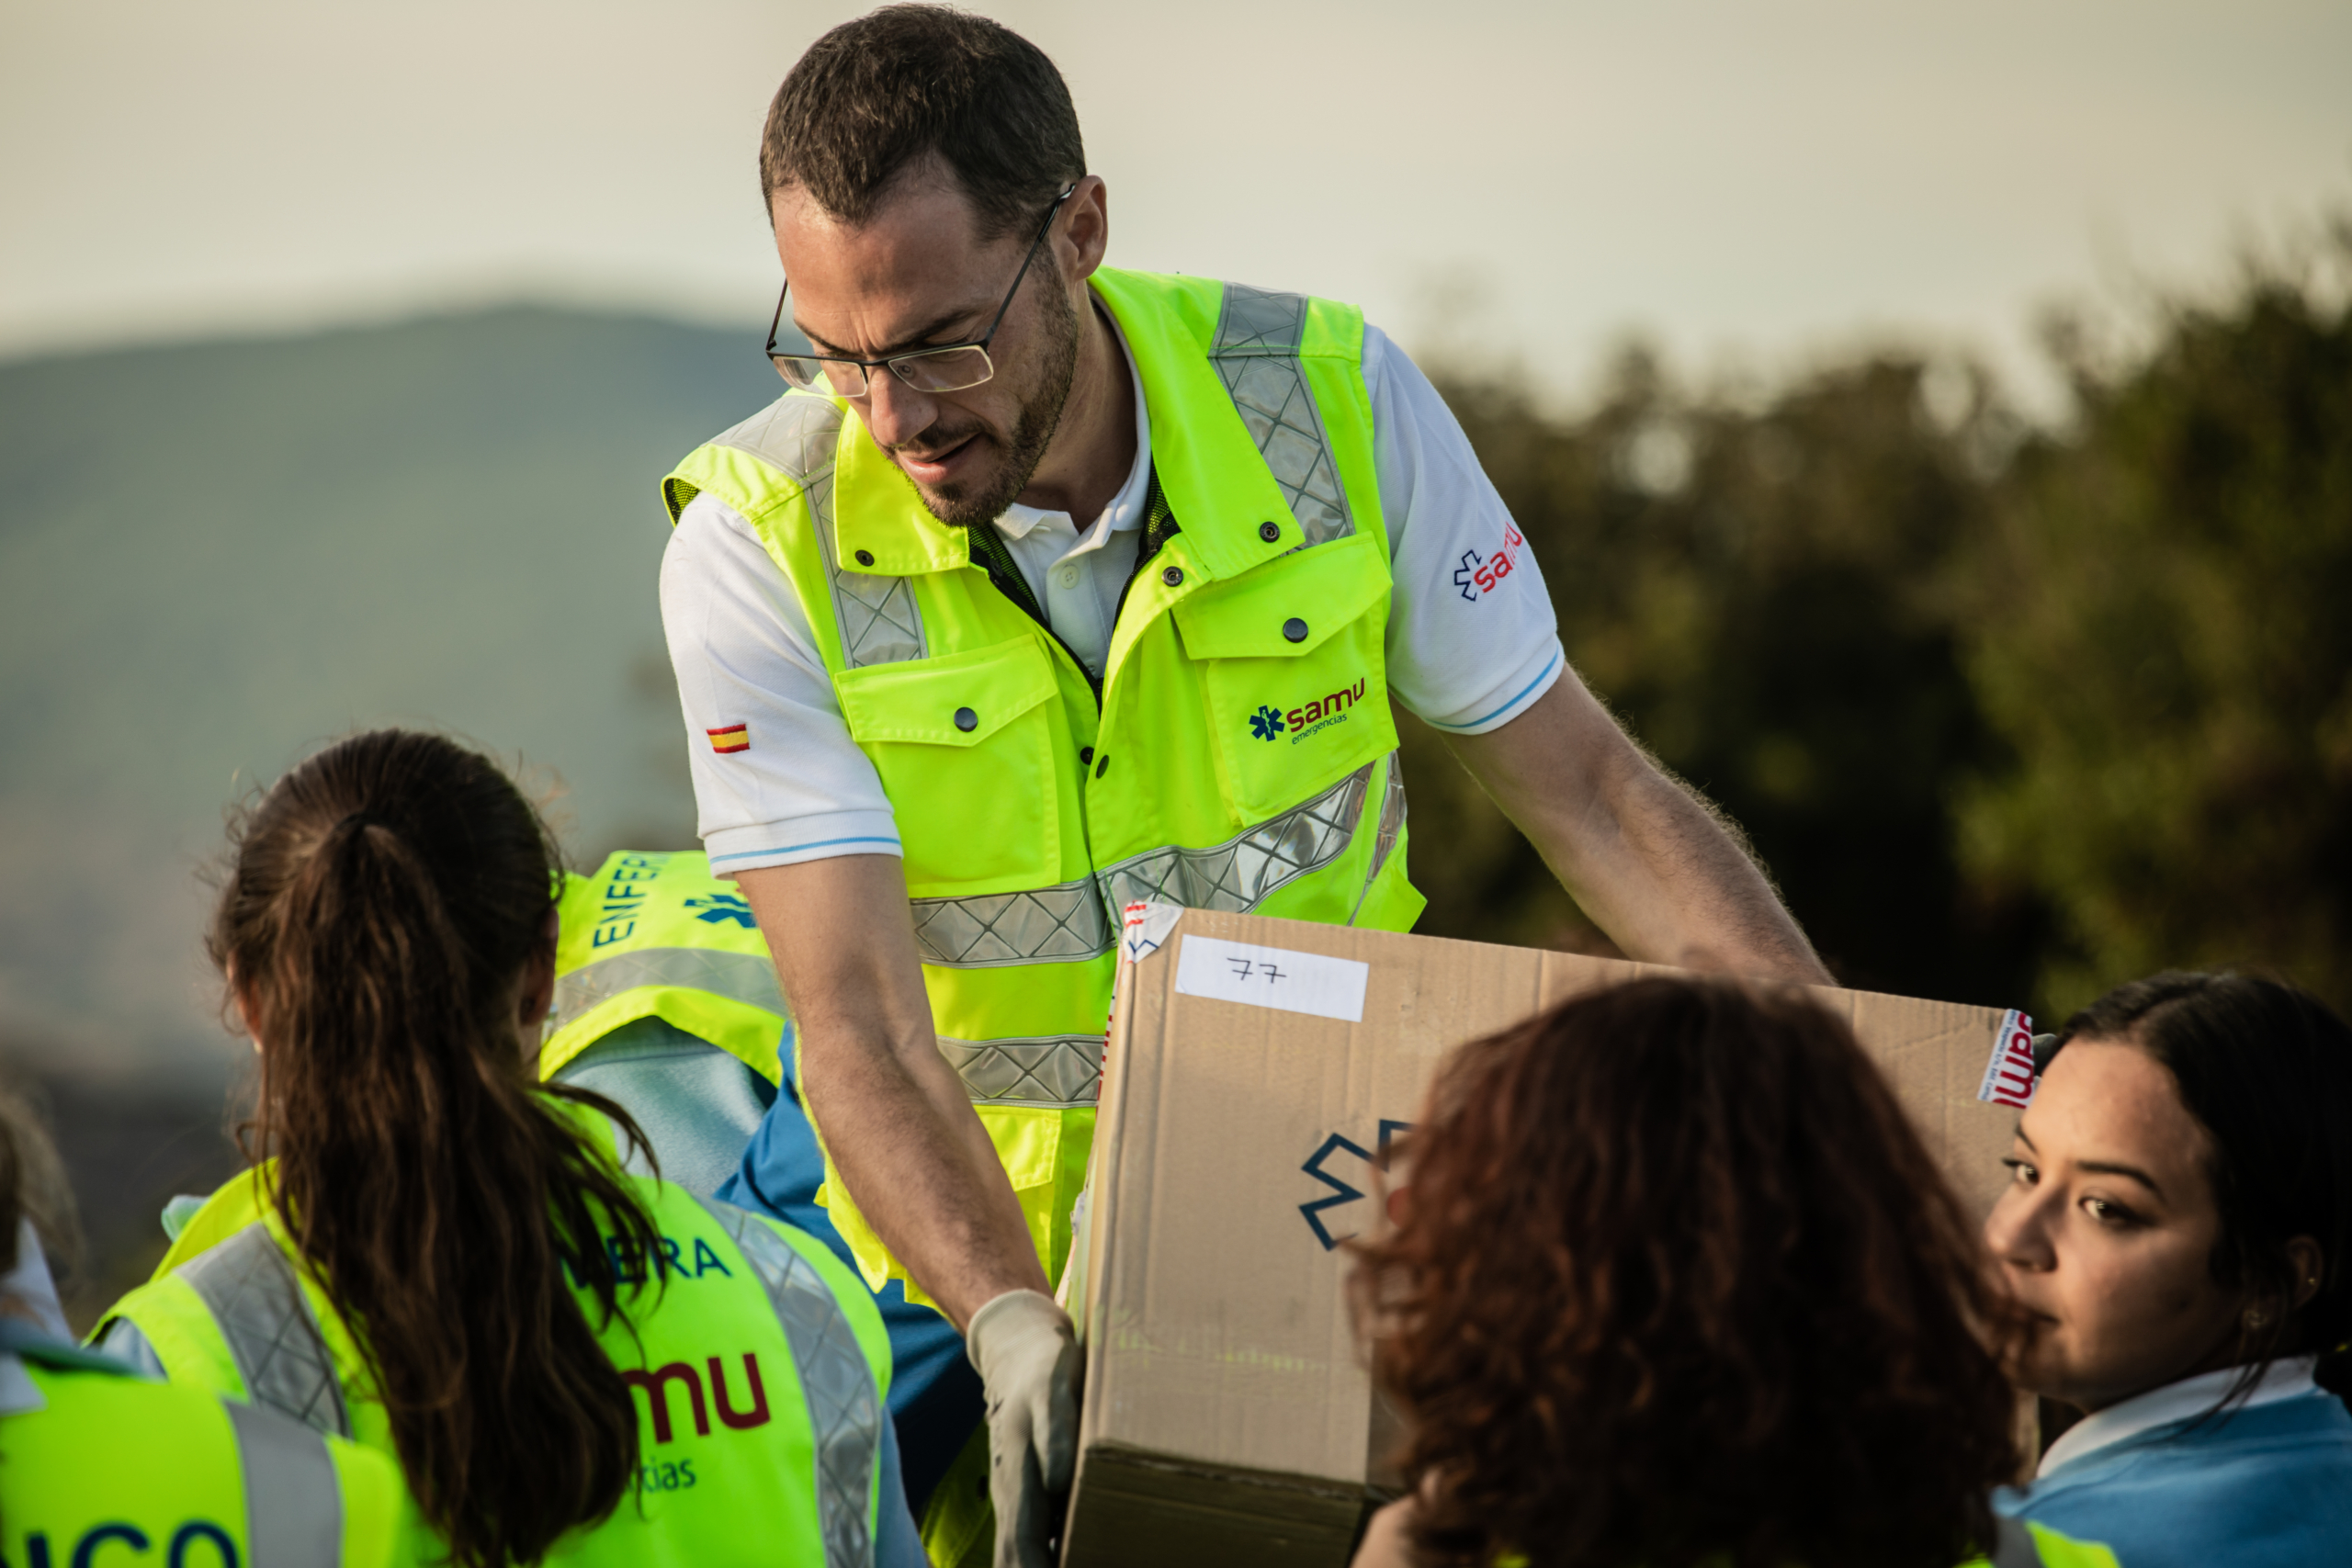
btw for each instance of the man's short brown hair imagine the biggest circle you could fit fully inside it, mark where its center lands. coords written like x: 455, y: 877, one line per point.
x: 908, y: 82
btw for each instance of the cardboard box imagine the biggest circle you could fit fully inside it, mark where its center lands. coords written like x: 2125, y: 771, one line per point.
x: 1256, y: 1070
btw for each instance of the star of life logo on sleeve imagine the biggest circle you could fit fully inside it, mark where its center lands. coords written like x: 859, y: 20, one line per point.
x: 1478, y: 575
x: 731, y: 739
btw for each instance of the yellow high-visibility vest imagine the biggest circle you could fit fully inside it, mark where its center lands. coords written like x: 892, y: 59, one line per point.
x: 1238, y: 754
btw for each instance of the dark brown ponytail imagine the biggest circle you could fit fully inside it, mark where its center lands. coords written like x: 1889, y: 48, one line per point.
x: 386, y: 901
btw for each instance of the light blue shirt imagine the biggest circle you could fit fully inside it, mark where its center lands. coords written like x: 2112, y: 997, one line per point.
x: 2266, y: 1485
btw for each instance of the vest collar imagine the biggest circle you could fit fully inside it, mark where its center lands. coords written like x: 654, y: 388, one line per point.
x: 877, y: 512
x: 1216, y: 480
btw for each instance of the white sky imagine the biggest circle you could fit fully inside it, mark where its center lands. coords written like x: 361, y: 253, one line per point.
x: 1751, y: 183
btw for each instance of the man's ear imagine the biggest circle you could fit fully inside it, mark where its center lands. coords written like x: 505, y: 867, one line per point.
x: 1088, y: 229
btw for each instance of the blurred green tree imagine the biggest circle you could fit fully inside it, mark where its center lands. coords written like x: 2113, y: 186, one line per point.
x: 1765, y: 593
x: 2164, y: 636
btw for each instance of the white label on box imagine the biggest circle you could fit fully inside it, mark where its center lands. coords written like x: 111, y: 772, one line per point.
x: 1273, y: 977
x: 2009, y: 1077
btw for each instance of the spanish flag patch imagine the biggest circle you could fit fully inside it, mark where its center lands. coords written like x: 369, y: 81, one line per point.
x: 734, y: 737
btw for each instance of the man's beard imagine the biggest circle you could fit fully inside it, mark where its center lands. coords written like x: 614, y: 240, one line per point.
x: 962, y: 505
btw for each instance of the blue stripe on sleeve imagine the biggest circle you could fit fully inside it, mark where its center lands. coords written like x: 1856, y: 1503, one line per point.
x: 1549, y: 665
x: 794, y: 849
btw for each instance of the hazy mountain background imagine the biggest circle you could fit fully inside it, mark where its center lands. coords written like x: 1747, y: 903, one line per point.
x: 214, y: 557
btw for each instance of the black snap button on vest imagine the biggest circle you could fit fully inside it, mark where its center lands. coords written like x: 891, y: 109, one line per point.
x: 1085, y: 755
x: 967, y: 720
x: 1103, y: 765
x: 866, y: 558
x: 1172, y: 576
x: 1294, y: 629
x: 1270, y: 532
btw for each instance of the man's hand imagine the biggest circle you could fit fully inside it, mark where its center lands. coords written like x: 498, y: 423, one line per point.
x: 894, y: 1116
x: 1653, y: 865
x: 1028, y: 1360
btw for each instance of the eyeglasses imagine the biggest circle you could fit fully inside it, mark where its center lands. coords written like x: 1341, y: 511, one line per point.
x: 952, y: 367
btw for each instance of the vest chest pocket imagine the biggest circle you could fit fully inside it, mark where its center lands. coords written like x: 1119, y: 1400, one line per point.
x: 1292, y: 664
x: 965, y: 745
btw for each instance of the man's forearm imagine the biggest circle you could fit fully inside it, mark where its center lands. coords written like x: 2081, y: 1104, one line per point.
x: 1656, y: 869
x: 1644, y: 858
x: 921, y: 1170
x: 893, y: 1117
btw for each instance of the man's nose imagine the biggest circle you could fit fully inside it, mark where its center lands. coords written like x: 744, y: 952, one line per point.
x: 896, y: 412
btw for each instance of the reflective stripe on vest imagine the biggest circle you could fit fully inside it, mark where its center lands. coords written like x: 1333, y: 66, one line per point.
x: 878, y: 620
x: 1046, y: 925
x: 1056, y: 1070
x: 655, y: 934
x: 250, y: 1287
x: 845, y: 1409
x: 1076, y: 920
x: 738, y: 977
x: 293, y: 1501
x: 1237, y: 875
x: 1256, y: 354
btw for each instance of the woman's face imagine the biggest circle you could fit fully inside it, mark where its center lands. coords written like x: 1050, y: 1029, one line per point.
x: 2106, y: 1234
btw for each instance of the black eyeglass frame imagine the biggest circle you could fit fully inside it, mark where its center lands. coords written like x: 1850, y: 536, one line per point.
x: 891, y: 362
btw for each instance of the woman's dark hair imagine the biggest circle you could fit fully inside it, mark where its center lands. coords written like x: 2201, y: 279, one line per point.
x: 912, y: 82
x: 1676, y: 1282
x: 2267, y: 1069
x: 383, y: 905
x: 33, y: 1186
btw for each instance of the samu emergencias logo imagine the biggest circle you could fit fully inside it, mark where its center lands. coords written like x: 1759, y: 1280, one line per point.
x: 1304, y: 720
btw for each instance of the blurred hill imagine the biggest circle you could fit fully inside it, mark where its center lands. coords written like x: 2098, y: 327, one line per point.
x: 213, y: 556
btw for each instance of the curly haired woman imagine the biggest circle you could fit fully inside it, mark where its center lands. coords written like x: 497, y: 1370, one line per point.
x: 1674, y: 1283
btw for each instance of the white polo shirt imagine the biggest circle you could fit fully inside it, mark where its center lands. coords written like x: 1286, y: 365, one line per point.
x: 1472, y: 640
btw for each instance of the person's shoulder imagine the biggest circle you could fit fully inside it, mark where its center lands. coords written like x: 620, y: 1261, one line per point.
x: 794, y: 435
x: 2205, y: 1481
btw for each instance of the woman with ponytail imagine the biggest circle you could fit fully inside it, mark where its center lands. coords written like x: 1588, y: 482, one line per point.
x: 440, y: 1257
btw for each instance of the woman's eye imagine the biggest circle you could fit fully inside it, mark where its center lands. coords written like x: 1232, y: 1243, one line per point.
x: 2108, y: 1213
x: 2021, y: 1172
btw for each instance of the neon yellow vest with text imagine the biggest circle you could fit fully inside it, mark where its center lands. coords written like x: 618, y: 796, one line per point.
x: 1241, y: 754
x: 115, y: 1469
x: 761, y: 1371
x: 657, y: 936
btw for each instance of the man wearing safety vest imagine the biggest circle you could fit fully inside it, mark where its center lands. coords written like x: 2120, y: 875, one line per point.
x: 1049, y: 586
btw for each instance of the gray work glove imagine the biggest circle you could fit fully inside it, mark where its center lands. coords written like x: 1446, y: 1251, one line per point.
x: 1028, y: 1356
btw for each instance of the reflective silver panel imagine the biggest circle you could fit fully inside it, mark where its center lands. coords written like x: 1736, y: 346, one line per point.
x: 844, y: 1408
x: 1392, y: 817
x: 1256, y: 356
x: 1045, y: 925
x: 879, y: 623
x: 1391, y: 827
x: 293, y: 1500
x: 748, y: 977
x: 1058, y: 1071
x: 1237, y: 875
x: 250, y: 1289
